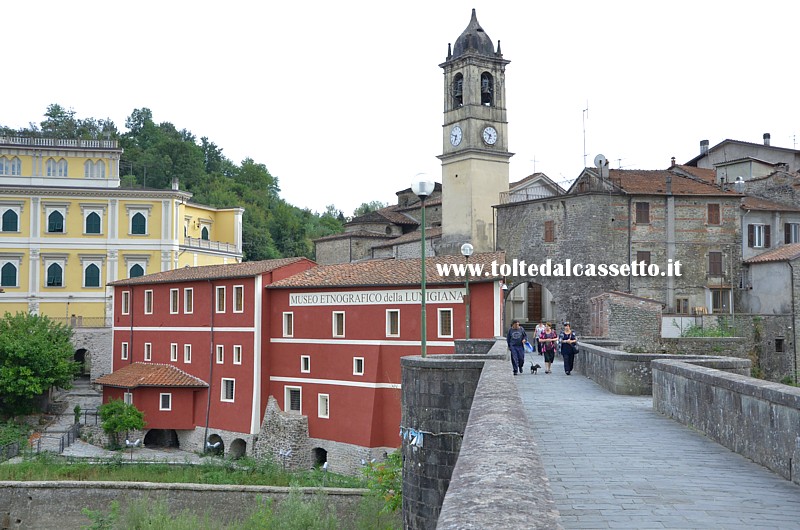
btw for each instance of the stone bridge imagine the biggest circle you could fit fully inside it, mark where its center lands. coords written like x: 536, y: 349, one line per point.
x: 626, y: 441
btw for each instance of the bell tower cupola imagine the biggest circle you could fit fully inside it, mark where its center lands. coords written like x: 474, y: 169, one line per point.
x: 475, y: 155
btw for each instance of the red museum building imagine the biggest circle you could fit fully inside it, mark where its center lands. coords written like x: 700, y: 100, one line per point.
x: 203, y: 350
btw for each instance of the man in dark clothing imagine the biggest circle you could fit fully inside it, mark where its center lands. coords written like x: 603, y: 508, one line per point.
x: 568, y: 341
x: 516, y: 340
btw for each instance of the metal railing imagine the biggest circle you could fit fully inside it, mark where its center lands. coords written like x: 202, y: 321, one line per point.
x: 56, y: 444
x: 208, y: 244
x: 58, y: 142
x: 9, y: 451
x: 91, y: 417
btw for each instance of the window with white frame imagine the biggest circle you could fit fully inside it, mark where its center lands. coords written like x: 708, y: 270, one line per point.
x: 220, y: 299
x: 323, y: 405
x: 148, y: 302
x: 148, y: 351
x: 93, y: 224
x: 94, y: 169
x: 124, y: 351
x: 445, y: 323
x: 392, y: 322
x: 358, y: 366
x: 293, y: 399
x: 56, y: 169
x: 228, y: 390
x: 11, y: 167
x: 127, y: 397
x: 54, y: 267
x: 136, y: 265
x: 165, y: 401
x: 174, y: 301
x: 305, y: 364
x: 338, y: 323
x: 125, y: 308
x: 136, y: 270
x: 791, y: 233
x: 9, y: 270
x: 188, y: 301
x: 288, y: 324
x: 758, y: 236
x: 173, y: 352
x: 187, y: 353
x: 9, y: 216
x: 56, y: 219
x: 238, y: 298
x: 138, y: 219
x: 237, y: 354
x: 220, y: 354
x: 91, y: 272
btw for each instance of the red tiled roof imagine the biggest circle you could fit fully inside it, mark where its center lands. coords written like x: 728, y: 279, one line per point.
x: 413, y: 236
x: 782, y: 253
x: 150, y: 374
x: 354, y: 233
x: 654, y: 182
x: 210, y: 272
x: 388, y: 214
x: 754, y: 203
x: 418, y: 206
x: 707, y: 175
x: 385, y: 272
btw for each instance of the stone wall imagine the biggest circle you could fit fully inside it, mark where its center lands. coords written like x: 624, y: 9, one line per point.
x: 58, y: 505
x: 754, y: 418
x: 488, y: 489
x: 437, y: 394
x: 282, y: 431
x: 630, y: 373
x: 630, y: 319
x: 98, y: 345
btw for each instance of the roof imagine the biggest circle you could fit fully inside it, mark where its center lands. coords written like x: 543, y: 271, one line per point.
x: 693, y: 161
x: 150, y: 374
x: 473, y: 38
x: 537, y: 176
x: 707, y: 175
x: 386, y: 272
x: 654, y: 182
x: 755, y: 203
x: 383, y: 215
x: 353, y: 233
x: 783, y: 253
x: 211, y: 272
x: 410, y: 237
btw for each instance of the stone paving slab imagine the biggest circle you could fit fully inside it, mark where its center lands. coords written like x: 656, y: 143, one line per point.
x: 614, y: 462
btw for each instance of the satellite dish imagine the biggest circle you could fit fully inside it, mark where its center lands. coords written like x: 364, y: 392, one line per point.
x: 600, y: 161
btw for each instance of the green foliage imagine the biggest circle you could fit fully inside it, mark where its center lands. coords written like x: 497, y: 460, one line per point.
x: 789, y: 380
x: 385, y: 480
x: 11, y: 432
x: 35, y: 354
x: 77, y: 412
x: 721, y: 329
x: 367, y: 207
x: 119, y: 417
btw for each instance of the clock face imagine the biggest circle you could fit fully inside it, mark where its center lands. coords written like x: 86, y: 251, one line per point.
x: 455, y: 135
x: 490, y: 135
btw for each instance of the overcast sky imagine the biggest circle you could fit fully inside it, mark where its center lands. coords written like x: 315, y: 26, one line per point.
x: 342, y: 101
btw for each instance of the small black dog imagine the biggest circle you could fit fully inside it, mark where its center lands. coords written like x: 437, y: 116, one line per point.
x: 534, y: 368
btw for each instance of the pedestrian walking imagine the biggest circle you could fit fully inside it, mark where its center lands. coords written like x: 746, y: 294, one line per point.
x: 568, y: 341
x: 537, y: 332
x: 548, y: 339
x: 516, y: 339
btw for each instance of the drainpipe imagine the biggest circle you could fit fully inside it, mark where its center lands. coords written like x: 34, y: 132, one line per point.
x: 670, y: 205
x: 210, y: 364
x: 630, y: 228
x: 130, y: 341
x: 794, y: 323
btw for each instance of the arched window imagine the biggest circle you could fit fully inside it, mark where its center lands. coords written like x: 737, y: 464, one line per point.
x: 138, y: 224
x: 136, y: 271
x: 8, y: 275
x: 88, y: 169
x: 55, y: 222
x: 55, y: 275
x: 10, y: 221
x: 93, y: 223
x: 100, y: 169
x: 487, y: 89
x: 62, y: 168
x: 204, y: 233
x: 11, y: 166
x: 51, y: 167
x: 458, y: 91
x: 91, y: 276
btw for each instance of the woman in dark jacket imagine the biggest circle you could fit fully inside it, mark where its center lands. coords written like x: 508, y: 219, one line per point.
x: 568, y: 341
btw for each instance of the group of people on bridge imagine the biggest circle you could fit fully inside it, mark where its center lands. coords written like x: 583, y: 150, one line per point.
x: 545, y: 341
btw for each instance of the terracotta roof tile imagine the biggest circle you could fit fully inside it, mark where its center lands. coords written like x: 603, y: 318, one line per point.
x: 353, y: 233
x: 755, y: 203
x: 210, y: 272
x: 150, y: 374
x: 384, y: 272
x: 383, y: 215
x: 707, y: 175
x: 413, y: 236
x: 782, y: 253
x: 654, y: 182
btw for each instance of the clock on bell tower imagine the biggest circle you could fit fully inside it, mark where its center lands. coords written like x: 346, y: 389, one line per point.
x: 475, y: 155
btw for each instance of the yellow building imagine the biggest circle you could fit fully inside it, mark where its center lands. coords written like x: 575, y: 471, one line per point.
x: 67, y: 228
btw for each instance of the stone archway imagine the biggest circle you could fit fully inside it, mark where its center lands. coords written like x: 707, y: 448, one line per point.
x: 215, y: 445
x: 80, y: 358
x: 161, y: 438
x: 320, y: 456
x: 238, y: 448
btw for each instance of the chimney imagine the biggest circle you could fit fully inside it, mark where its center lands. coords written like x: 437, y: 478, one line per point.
x: 672, y: 162
x: 175, y: 183
x: 703, y: 147
x: 766, y: 138
x: 669, y: 184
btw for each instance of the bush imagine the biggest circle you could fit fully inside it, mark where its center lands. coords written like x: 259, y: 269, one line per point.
x: 118, y: 417
x: 385, y: 480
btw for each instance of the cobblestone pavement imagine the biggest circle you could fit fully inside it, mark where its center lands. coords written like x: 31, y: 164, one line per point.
x: 614, y: 462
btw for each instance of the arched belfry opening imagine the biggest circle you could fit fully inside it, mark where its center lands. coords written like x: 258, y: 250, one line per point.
x: 487, y: 89
x: 458, y: 91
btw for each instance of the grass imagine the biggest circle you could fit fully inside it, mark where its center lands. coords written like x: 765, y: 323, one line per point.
x: 212, y: 471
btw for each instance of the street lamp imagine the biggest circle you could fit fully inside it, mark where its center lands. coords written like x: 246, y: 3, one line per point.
x: 422, y: 188
x: 466, y: 251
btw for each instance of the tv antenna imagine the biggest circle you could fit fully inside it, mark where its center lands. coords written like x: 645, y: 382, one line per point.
x: 585, y: 117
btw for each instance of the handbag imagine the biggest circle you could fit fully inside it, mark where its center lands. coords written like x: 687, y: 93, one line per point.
x: 528, y: 347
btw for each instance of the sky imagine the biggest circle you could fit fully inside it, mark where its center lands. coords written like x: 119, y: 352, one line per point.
x: 343, y: 101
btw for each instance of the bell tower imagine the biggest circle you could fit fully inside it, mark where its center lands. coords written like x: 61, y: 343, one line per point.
x: 475, y: 155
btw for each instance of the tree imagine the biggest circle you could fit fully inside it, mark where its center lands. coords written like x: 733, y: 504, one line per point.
x: 367, y: 207
x: 119, y: 417
x: 35, y: 354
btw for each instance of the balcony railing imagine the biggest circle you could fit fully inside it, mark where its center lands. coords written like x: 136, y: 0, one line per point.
x: 58, y: 142
x: 77, y: 321
x: 210, y: 245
